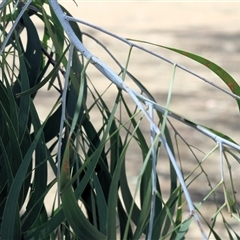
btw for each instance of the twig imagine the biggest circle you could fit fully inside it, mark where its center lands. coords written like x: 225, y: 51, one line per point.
x: 138, y: 99
x: 69, y: 18
x: 3, y: 3
x: 154, y: 176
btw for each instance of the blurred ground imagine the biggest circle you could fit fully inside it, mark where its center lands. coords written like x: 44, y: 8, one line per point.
x: 209, y: 29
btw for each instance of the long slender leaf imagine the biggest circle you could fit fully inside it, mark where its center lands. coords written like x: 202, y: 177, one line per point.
x: 8, y: 230
x: 225, y: 76
x: 81, y: 226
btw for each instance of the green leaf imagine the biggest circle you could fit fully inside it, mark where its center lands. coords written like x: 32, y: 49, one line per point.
x: 51, y: 75
x: 33, y: 54
x: 44, y: 230
x: 39, y: 182
x: 12, y: 145
x: 10, y: 221
x: 226, y: 77
x: 81, y: 226
x: 181, y: 232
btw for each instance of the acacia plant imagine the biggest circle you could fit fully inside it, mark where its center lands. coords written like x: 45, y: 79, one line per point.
x: 88, y: 156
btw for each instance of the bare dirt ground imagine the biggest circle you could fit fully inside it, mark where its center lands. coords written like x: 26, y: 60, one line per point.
x: 209, y: 29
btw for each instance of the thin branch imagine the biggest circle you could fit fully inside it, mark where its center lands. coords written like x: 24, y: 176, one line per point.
x: 138, y: 99
x: 107, y: 72
x: 69, y: 18
x: 154, y: 176
x: 2, y: 4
